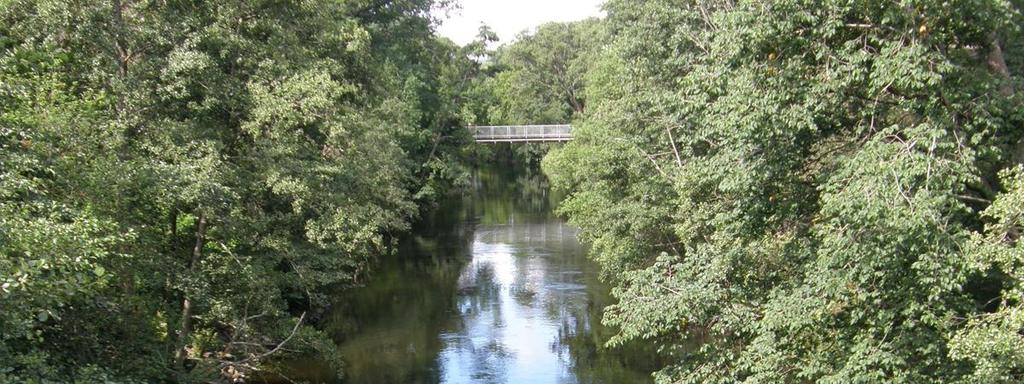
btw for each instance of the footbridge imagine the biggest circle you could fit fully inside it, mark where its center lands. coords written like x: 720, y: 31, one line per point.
x: 521, y: 133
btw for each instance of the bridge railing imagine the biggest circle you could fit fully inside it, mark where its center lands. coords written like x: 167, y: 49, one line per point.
x: 503, y: 133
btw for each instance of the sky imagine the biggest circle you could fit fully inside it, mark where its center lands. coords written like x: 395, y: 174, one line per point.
x: 509, y: 17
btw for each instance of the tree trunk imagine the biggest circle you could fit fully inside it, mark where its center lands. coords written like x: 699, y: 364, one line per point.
x: 186, y: 303
x: 575, y: 103
x: 120, y: 42
x: 172, y: 221
x: 997, y: 63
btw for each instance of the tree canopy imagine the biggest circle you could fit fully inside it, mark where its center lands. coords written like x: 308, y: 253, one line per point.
x: 804, y: 191
x: 181, y: 180
x: 538, y: 78
x: 779, y: 190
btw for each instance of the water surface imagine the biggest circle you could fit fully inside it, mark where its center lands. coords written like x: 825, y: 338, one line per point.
x: 492, y: 288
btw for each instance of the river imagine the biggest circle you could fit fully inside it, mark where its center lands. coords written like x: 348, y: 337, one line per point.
x: 492, y: 287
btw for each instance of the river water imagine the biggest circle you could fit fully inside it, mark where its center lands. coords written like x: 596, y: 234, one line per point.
x: 491, y: 288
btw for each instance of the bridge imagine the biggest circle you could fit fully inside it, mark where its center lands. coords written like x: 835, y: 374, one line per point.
x: 521, y: 133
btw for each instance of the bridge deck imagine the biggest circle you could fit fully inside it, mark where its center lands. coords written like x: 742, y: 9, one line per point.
x: 521, y: 133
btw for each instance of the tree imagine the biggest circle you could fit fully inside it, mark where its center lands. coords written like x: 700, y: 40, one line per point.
x: 540, y: 76
x: 182, y: 181
x: 537, y: 79
x: 794, y: 191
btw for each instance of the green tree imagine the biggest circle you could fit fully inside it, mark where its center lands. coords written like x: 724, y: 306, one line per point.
x: 541, y: 78
x: 796, y: 191
x: 181, y: 180
x: 537, y: 79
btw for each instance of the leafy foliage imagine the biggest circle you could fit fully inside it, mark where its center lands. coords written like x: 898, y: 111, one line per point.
x: 539, y: 78
x: 181, y: 180
x: 794, y: 191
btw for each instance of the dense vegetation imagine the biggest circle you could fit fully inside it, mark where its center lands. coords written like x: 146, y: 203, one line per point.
x: 780, y: 190
x: 181, y: 179
x: 538, y: 78
x: 809, y: 191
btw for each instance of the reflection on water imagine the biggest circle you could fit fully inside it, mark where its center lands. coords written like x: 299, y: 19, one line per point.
x: 517, y: 301
x: 492, y: 289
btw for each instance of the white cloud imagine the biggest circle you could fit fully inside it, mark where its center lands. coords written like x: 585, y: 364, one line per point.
x: 508, y: 18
